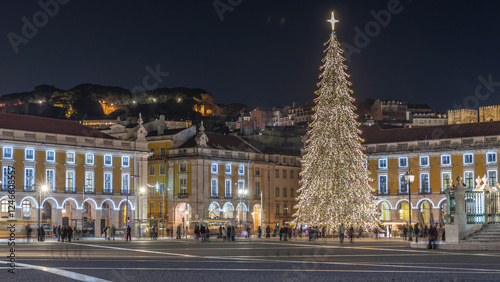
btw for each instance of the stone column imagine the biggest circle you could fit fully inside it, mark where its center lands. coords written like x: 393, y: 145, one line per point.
x: 97, y: 224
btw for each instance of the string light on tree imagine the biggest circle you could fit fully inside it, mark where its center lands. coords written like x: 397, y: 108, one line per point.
x: 334, y: 186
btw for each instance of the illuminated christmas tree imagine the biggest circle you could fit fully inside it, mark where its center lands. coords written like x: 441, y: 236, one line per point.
x: 334, y: 186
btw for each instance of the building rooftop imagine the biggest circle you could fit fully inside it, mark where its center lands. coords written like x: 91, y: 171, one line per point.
x: 374, y: 134
x: 48, y: 125
x: 223, y: 142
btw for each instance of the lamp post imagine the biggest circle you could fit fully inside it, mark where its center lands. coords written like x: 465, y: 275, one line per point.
x: 409, y: 177
x: 241, y: 193
x: 41, y: 189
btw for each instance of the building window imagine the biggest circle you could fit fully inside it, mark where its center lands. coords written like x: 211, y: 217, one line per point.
x: 284, y: 174
x: 446, y: 180
x: 183, y: 167
x: 257, y: 188
x: 277, y: 209
x: 292, y: 174
x: 5, y: 205
x: 491, y: 157
x: 151, y: 209
x: 162, y: 189
x: 228, y: 190
x: 152, y: 153
x: 163, y: 152
x: 382, y: 163
x: 469, y: 179
x: 241, y: 170
x: 228, y: 169
x: 70, y: 157
x: 151, y: 191
x: 7, y: 152
x: 292, y: 192
x: 214, y: 189
x: 163, y: 169
x: 89, y: 182
x: 108, y: 179
x: 70, y: 181
x: 492, y: 178
x: 183, y: 186
x: 50, y: 179
x: 26, y: 209
x: 403, y: 162
x: 284, y: 160
x: 424, y: 161
x: 151, y: 169
x: 285, y: 210
x: 126, y: 183
x: 424, y: 183
x: 29, y: 180
x: 214, y: 168
x: 89, y: 159
x: 50, y: 156
x: 29, y: 154
x: 277, y: 191
x: 382, y: 185
x: 257, y: 171
x: 5, y: 178
x: 284, y: 191
x: 468, y: 158
x: 125, y: 161
x: 277, y: 173
x: 445, y: 160
x: 108, y: 160
x: 403, y: 186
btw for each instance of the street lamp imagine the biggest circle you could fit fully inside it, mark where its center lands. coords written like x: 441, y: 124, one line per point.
x: 41, y: 189
x: 409, y: 177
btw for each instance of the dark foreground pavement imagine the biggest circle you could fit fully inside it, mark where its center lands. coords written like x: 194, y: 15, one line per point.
x: 255, y: 260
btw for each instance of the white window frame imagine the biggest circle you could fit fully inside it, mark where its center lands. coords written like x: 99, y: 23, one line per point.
x: 29, y: 185
x: 227, y: 169
x: 163, y: 169
x: 386, y: 190
x: 89, y: 158
x: 488, y: 154
x: 125, y: 161
x: 72, y: 154
x: 26, y: 154
x: 89, y: 180
x: 214, y: 168
x: 105, y: 182
x: 110, y: 157
x: 228, y: 189
x: 402, y: 182
x: 152, y: 169
x: 7, y: 156
x: 428, y: 190
x: 383, y: 163
x: 443, y: 158
x: 51, y: 184
x: 183, y: 167
x: 472, y: 179
x: 214, y: 188
x: 241, y: 170
x: 443, y: 185
x: 424, y: 158
x: 66, y: 181
x: 472, y: 158
x: 48, y: 153
x: 5, y: 178
x: 125, y: 184
x: 257, y: 171
x: 405, y: 159
x: 488, y: 175
x: 183, y: 185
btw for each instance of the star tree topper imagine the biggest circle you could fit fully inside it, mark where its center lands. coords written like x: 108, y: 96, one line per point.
x: 333, y: 21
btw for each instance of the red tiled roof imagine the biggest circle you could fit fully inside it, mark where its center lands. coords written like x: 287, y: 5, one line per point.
x: 224, y: 142
x: 374, y: 134
x: 48, y: 125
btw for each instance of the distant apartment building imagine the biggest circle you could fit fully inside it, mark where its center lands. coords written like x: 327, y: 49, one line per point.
x: 427, y: 119
x: 389, y: 110
x: 261, y: 117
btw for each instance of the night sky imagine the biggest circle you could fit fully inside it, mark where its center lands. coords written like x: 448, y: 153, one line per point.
x: 263, y: 53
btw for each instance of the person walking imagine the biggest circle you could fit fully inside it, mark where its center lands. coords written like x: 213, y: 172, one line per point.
x: 259, y: 231
x: 268, y: 231
x: 433, y: 233
x: 351, y: 233
x: 341, y: 233
x: 405, y: 232
x: 224, y: 234
x: 129, y: 236
x: 70, y: 233
x: 179, y: 232
x: 196, y: 233
x: 59, y: 230
x: 416, y: 230
x: 233, y: 233
x: 28, y: 233
x: 203, y: 234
